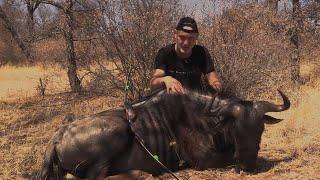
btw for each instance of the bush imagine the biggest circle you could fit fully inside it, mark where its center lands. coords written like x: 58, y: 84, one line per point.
x: 250, y: 49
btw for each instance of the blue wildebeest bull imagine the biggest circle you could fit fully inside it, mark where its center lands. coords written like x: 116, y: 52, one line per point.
x: 201, y: 130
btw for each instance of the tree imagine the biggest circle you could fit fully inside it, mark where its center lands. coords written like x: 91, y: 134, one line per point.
x: 295, y: 41
x: 313, y: 12
x: 273, y: 5
x: 32, y: 6
x: 131, y: 32
x: 9, y: 25
x: 68, y: 33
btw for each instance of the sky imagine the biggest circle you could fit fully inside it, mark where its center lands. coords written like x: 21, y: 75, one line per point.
x: 200, y: 8
x: 196, y: 8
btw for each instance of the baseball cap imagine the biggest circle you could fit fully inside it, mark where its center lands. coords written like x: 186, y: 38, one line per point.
x: 187, y: 24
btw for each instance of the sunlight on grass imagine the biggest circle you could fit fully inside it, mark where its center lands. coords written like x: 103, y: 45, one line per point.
x: 21, y: 82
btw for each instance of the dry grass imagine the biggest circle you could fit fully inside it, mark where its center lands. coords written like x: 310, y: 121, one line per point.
x: 290, y: 149
x: 21, y: 82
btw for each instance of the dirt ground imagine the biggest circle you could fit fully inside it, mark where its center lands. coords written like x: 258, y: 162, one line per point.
x: 289, y: 149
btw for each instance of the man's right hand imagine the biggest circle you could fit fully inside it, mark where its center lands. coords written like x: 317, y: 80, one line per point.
x: 159, y: 79
x: 173, y: 85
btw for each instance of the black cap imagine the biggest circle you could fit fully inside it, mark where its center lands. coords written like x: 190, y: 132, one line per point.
x: 187, y: 24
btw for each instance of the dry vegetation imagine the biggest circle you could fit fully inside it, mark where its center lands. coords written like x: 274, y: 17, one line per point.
x: 117, y: 41
x: 290, y: 149
x: 29, y: 120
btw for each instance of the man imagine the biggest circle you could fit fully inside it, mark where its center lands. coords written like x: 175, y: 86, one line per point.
x: 180, y: 65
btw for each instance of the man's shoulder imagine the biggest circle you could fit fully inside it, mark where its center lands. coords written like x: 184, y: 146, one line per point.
x: 199, y: 48
x: 165, y: 54
x: 167, y: 49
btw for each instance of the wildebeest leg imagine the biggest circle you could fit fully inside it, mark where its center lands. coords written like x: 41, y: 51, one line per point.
x: 98, y: 171
x: 61, y: 173
x: 131, y: 175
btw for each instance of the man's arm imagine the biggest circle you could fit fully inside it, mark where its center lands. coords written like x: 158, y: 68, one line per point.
x: 159, y: 79
x: 212, y: 76
x: 214, y: 81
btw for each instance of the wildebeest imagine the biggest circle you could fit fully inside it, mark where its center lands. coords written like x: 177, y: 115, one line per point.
x: 202, y: 131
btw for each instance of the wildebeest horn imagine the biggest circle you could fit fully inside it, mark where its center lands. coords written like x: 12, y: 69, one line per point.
x: 271, y: 120
x: 270, y: 107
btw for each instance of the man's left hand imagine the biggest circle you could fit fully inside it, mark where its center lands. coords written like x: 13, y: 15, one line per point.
x: 216, y: 85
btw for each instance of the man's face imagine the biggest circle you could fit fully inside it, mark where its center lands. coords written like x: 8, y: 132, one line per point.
x: 185, y: 41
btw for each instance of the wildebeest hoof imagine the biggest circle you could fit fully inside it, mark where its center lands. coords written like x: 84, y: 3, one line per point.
x: 236, y: 169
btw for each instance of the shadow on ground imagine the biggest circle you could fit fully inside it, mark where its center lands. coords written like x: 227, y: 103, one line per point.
x: 264, y: 165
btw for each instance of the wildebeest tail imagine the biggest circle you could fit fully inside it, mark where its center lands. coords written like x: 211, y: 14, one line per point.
x: 47, y: 171
x: 50, y: 167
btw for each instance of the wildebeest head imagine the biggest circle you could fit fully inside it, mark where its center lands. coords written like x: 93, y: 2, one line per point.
x: 248, y: 119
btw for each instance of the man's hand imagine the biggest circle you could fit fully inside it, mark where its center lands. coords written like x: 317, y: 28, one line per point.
x: 214, y: 81
x: 216, y: 85
x: 173, y: 85
x: 159, y: 79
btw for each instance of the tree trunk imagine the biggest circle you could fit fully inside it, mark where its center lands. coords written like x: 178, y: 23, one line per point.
x: 30, y: 22
x: 295, y: 41
x: 32, y: 6
x: 74, y: 81
x: 68, y: 29
x: 273, y: 5
x: 10, y: 27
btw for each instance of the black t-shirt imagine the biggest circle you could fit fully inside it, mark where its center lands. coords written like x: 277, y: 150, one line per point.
x: 189, y: 70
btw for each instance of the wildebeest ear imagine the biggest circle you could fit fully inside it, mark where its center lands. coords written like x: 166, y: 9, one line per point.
x: 270, y: 120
